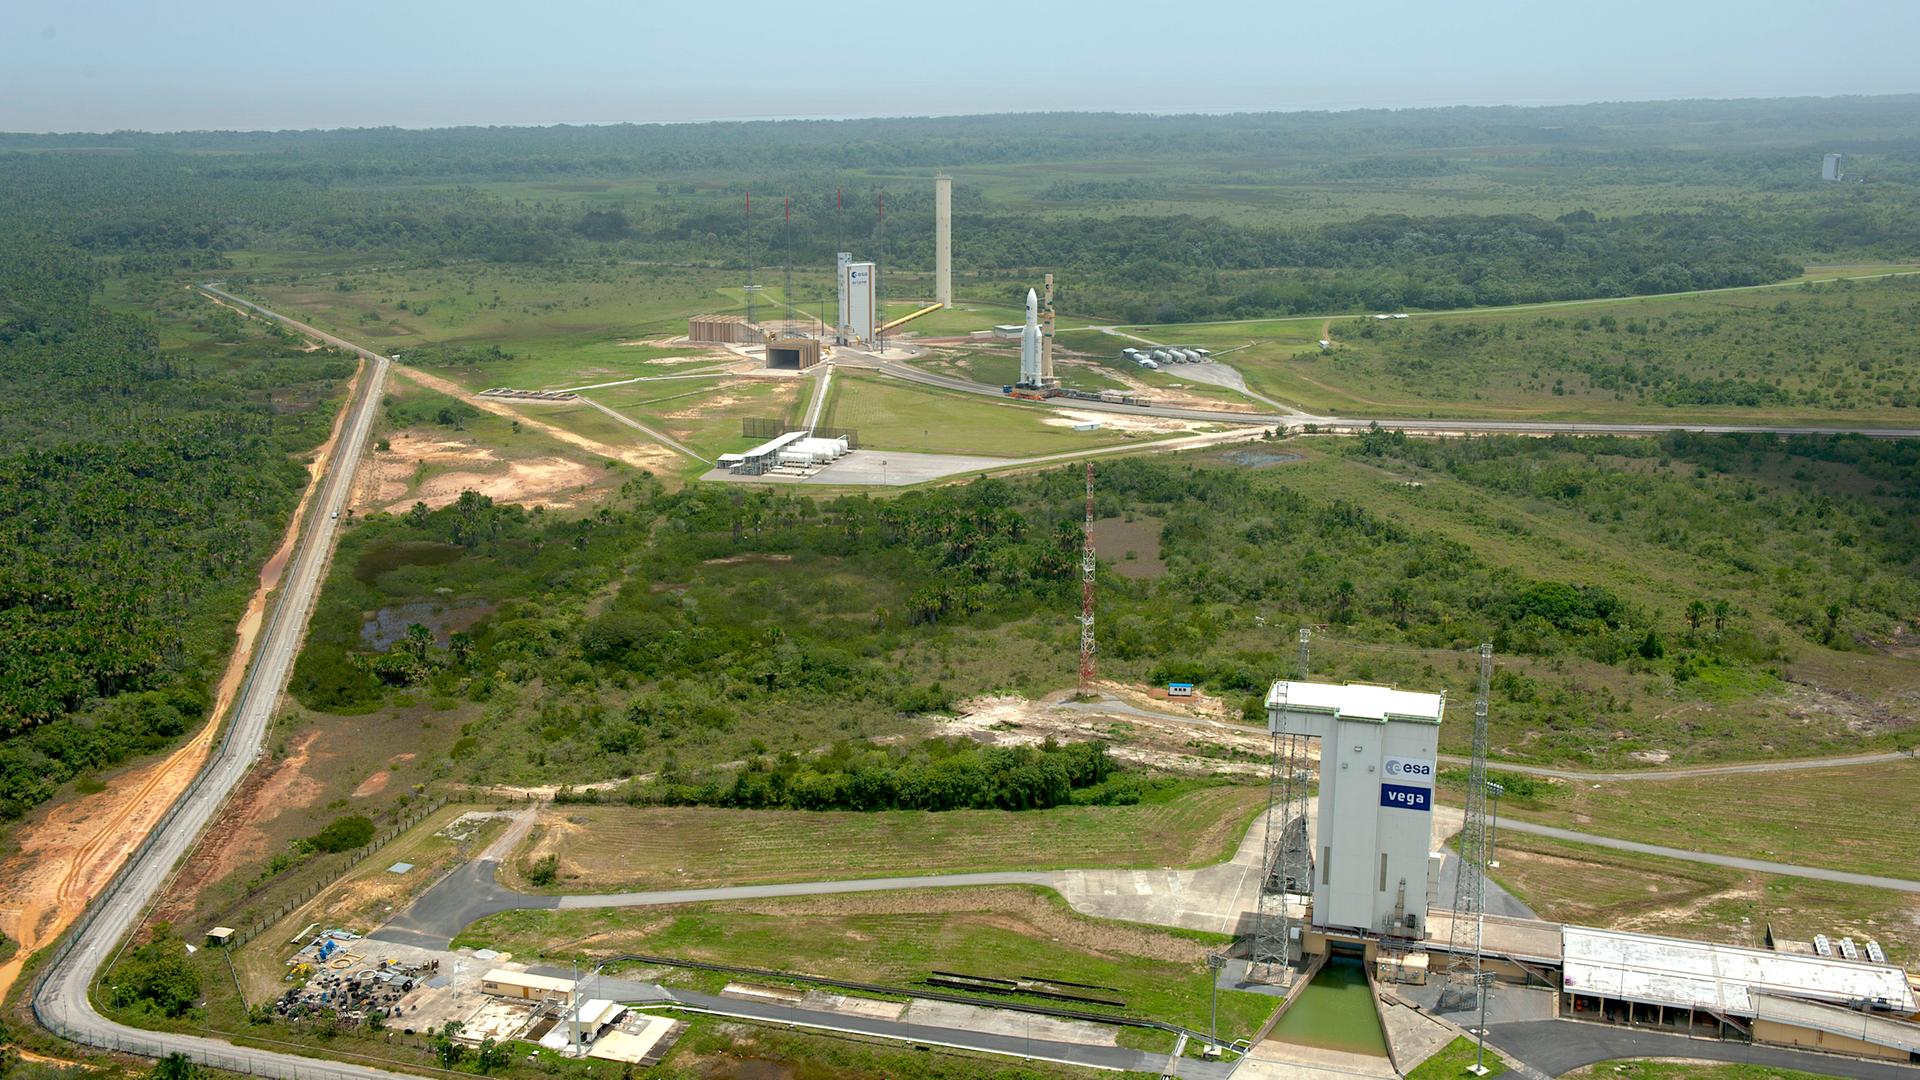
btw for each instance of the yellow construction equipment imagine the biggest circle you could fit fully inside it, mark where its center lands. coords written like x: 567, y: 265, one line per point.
x: 904, y: 319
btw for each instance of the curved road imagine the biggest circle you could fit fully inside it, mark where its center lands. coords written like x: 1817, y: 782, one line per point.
x: 60, y: 999
x: 1693, y: 771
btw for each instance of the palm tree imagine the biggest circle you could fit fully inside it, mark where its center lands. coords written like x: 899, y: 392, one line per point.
x: 1722, y: 611
x: 1696, y: 611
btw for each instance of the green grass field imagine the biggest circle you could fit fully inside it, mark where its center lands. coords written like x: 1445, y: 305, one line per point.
x: 705, y: 414
x: 900, y: 938
x: 623, y: 848
x: 1813, y: 818
x: 892, y: 416
x: 1455, y: 1060
x: 1592, y: 886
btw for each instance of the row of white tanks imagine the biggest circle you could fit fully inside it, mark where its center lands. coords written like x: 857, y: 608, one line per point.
x: 1153, y: 358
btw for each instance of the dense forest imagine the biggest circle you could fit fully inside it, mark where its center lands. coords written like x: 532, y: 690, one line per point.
x: 1180, y: 245
x: 140, y: 491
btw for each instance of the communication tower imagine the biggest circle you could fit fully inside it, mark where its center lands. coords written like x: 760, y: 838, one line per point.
x: 1470, y: 884
x: 1087, y: 566
x: 751, y: 288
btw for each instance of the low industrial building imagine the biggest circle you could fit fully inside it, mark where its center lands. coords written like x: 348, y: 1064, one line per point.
x: 1728, y: 991
x: 792, y: 353
x: 723, y: 330
x: 526, y: 986
x: 792, y: 451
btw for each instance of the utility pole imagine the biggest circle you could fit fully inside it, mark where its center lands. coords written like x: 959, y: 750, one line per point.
x: 1087, y: 566
x: 1215, y: 962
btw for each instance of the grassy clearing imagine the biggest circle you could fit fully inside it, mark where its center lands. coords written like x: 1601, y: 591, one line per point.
x: 1592, y: 886
x: 1455, y: 1060
x: 1823, y: 818
x: 621, y: 848
x: 706, y: 415
x: 714, y: 1048
x: 901, y: 938
x: 890, y: 416
x: 1001, y: 366
x: 965, y: 317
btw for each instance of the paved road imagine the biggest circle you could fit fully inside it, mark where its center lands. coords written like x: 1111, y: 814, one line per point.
x: 1558, y: 1046
x: 1691, y: 772
x: 665, y: 440
x: 819, y: 403
x: 1734, y: 861
x: 60, y: 1000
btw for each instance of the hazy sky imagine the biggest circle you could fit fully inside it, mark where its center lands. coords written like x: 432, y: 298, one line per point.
x: 73, y: 65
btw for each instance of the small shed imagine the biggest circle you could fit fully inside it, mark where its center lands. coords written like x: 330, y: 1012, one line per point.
x: 1179, y: 689
x: 220, y: 936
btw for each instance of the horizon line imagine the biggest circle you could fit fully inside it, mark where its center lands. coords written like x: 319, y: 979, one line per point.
x: 1130, y: 110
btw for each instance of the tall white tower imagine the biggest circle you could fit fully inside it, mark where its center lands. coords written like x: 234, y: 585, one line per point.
x: 943, y: 240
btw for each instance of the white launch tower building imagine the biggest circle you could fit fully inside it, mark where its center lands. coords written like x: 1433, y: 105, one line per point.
x: 1374, y: 830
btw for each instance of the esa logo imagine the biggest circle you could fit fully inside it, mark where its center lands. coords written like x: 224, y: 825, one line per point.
x: 1408, y: 769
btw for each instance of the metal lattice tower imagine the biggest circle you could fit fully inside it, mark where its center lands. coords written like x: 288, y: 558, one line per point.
x: 751, y: 287
x: 1087, y: 566
x: 879, y: 268
x: 1470, y: 884
x: 787, y: 296
x: 1288, y: 866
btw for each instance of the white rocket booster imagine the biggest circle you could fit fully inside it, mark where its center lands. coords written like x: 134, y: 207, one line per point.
x: 1030, y: 343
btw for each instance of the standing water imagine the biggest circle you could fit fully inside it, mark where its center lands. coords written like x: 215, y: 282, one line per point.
x: 1335, y: 1012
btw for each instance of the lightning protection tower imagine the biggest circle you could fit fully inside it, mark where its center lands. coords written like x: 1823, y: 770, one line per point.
x: 751, y: 288
x: 1287, y: 867
x: 1087, y: 566
x: 1470, y: 884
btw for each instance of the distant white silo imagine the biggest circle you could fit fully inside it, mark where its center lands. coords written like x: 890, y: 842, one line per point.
x: 1830, y: 167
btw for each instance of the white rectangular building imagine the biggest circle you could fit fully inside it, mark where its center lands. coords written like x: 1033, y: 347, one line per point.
x: 859, y: 301
x: 1378, y: 762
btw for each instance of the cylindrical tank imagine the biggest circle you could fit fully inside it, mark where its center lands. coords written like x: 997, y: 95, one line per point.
x: 1161, y: 355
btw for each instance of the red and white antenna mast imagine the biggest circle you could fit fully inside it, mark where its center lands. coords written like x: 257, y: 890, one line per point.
x: 1087, y: 565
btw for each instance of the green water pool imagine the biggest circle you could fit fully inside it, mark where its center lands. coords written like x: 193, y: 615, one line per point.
x: 1335, y: 1012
